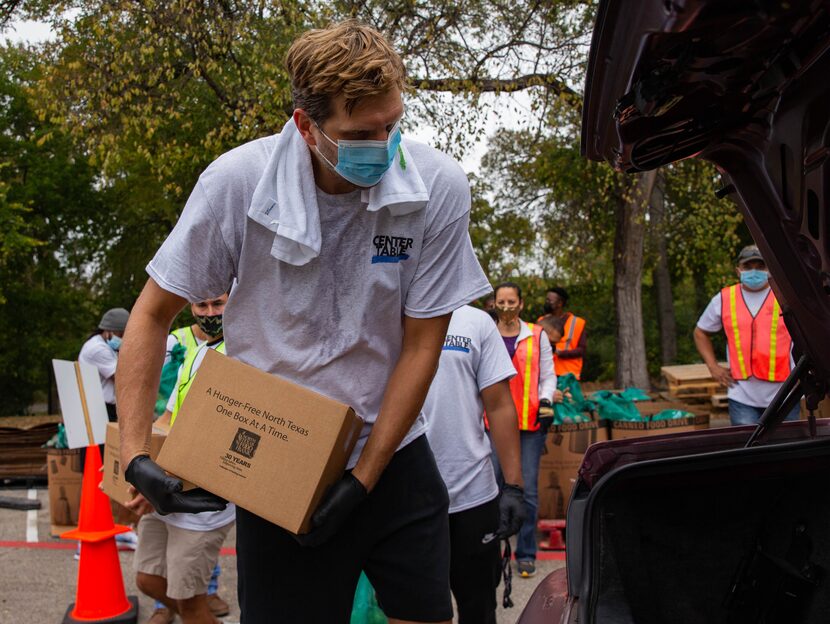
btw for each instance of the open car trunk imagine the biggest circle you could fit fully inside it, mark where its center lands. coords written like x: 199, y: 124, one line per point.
x: 727, y: 536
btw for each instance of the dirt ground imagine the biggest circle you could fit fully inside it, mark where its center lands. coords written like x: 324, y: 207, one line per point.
x: 38, y: 577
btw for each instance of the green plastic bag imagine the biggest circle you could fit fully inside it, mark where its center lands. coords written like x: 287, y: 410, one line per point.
x: 635, y: 394
x: 365, y: 609
x: 169, y: 375
x: 574, y: 408
x: 671, y: 414
x: 615, y: 407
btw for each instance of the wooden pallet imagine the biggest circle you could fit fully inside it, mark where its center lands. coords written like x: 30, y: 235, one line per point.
x: 691, y: 381
x: 720, y: 401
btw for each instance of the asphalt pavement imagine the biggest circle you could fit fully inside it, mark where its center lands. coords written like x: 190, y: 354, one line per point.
x: 38, y: 573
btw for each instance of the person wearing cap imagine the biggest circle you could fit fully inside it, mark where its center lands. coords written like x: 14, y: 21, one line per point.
x: 101, y: 350
x: 758, y: 343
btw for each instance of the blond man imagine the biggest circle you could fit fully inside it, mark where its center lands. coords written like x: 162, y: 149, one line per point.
x: 336, y: 205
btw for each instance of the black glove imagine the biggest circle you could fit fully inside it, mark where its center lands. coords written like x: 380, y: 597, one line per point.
x: 340, y: 500
x: 165, y: 492
x: 545, y: 415
x: 511, y: 510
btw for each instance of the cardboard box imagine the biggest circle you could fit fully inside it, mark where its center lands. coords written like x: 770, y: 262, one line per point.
x: 823, y: 410
x: 565, y: 447
x: 65, y: 476
x: 260, y: 441
x: 114, y: 483
x: 623, y: 429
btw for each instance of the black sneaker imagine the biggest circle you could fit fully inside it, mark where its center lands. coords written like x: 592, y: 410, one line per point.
x: 526, y: 569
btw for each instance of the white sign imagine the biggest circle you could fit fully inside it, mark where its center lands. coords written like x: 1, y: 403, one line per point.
x: 82, y: 403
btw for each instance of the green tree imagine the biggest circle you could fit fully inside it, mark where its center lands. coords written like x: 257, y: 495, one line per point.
x: 53, y: 229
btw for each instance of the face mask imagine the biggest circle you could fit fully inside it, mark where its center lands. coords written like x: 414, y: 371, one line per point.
x: 506, y: 314
x: 114, y: 343
x: 211, y: 325
x: 548, y: 307
x: 754, y: 278
x: 363, y: 163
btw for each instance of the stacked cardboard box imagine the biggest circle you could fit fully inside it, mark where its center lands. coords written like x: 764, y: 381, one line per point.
x: 622, y: 429
x: 565, y: 446
x: 65, y: 476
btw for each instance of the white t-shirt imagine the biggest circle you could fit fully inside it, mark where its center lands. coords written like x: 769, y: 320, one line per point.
x: 753, y: 391
x: 97, y: 352
x: 332, y: 325
x: 207, y: 520
x: 473, y: 358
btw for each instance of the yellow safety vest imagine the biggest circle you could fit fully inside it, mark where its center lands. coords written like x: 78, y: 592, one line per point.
x: 186, y: 338
x: 188, y: 375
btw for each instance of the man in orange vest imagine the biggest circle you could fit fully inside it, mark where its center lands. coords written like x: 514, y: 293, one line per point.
x: 758, y: 342
x: 570, y: 350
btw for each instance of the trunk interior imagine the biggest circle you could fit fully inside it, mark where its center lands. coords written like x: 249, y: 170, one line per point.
x: 732, y: 537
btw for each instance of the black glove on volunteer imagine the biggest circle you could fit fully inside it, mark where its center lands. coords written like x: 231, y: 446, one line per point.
x: 545, y: 415
x: 165, y: 492
x: 511, y: 510
x: 340, y: 500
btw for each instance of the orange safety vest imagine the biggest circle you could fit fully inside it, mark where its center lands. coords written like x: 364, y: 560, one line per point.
x: 759, y: 346
x: 524, y: 387
x: 574, y: 327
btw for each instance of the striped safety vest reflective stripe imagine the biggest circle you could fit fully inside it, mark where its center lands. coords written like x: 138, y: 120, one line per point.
x: 524, y: 387
x: 188, y: 375
x: 758, y: 346
x: 574, y: 327
x: 186, y: 338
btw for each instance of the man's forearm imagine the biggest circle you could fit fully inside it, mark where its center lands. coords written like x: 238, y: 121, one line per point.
x: 705, y: 347
x: 505, y: 435
x: 404, y: 396
x: 402, y: 402
x: 139, y: 369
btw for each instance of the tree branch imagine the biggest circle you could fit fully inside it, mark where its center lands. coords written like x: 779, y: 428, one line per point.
x: 497, y: 85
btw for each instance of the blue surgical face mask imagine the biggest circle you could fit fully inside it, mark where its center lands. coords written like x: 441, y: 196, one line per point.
x: 114, y: 343
x: 754, y: 278
x: 363, y: 163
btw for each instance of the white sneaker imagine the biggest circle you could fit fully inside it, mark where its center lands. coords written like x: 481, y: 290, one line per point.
x: 128, y: 540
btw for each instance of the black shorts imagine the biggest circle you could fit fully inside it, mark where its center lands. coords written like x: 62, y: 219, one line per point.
x: 399, y: 536
x: 475, y: 564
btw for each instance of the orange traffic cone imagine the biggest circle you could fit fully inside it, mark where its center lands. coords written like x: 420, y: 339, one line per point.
x: 100, y: 596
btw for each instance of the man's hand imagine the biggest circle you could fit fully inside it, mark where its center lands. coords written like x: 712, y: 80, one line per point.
x: 165, y: 492
x: 511, y: 510
x: 722, y: 375
x: 340, y: 500
x: 545, y: 415
x: 138, y: 504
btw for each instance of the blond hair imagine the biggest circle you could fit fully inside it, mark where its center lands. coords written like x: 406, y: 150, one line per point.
x: 347, y: 58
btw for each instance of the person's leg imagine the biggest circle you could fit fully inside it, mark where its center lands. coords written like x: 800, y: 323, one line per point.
x: 743, y: 414
x: 474, y: 565
x: 213, y: 586
x: 191, y: 558
x: 795, y: 412
x: 532, y: 443
x: 281, y: 581
x: 151, y: 564
x: 195, y: 610
x: 155, y: 587
x: 408, y: 560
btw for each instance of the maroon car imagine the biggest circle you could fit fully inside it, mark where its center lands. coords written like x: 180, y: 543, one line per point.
x: 728, y: 525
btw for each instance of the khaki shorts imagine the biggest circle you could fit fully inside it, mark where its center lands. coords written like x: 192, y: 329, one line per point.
x: 184, y: 557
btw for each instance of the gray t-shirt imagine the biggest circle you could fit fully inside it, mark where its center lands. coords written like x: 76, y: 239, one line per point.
x: 333, y: 325
x: 753, y: 391
x: 473, y: 358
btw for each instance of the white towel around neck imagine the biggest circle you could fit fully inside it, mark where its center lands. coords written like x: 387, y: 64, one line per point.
x: 285, y: 198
